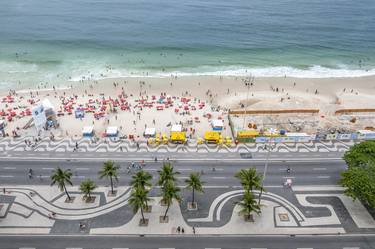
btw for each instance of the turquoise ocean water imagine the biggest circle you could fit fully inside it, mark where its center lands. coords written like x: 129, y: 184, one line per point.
x: 54, y: 41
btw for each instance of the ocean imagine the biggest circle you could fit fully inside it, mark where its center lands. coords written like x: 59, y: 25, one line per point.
x: 57, y: 41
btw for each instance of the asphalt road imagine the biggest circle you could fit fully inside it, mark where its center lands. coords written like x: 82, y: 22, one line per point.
x: 188, y: 242
x: 302, y: 172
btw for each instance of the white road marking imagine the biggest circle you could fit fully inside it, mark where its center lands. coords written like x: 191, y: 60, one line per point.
x: 82, y: 168
x: 289, y: 177
x: 182, y: 177
x: 9, y: 168
x: 183, y: 169
x: 323, y: 177
x: 48, y: 168
x: 319, y: 168
x: 219, y: 177
x: 78, y: 176
x: 350, y: 248
x: 6, y: 176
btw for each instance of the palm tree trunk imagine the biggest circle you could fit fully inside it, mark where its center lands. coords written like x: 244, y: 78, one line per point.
x: 166, y: 211
x: 143, y: 217
x: 89, y: 195
x: 193, y: 198
x: 66, y: 192
x: 111, y: 184
x: 260, y: 195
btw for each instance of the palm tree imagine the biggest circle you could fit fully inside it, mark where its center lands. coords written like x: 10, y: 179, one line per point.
x: 141, y: 180
x: 248, y: 205
x: 249, y: 179
x: 109, y: 170
x: 87, y: 186
x: 195, y: 184
x: 167, y: 174
x: 138, y: 200
x: 170, y: 193
x: 61, y: 177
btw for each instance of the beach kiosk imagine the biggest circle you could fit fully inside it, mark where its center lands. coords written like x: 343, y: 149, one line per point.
x: 247, y: 136
x: 217, y: 124
x: 111, y: 131
x: 88, y: 131
x: 177, y: 135
x: 212, y: 137
x: 149, y: 132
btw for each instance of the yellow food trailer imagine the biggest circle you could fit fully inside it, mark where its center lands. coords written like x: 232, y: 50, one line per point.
x: 178, y: 137
x: 212, y: 137
x: 247, y: 136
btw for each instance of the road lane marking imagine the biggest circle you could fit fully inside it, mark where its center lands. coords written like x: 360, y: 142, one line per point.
x: 9, y: 168
x: 82, y: 168
x: 48, y: 168
x: 289, y: 177
x: 323, y: 177
x: 182, y: 177
x: 6, y: 176
x: 319, y: 168
x: 78, y: 176
x: 183, y: 169
x: 219, y: 177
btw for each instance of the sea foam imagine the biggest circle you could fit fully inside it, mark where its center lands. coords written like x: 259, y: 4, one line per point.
x: 312, y: 72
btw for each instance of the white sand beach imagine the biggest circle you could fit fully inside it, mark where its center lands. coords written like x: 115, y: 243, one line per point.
x: 219, y: 94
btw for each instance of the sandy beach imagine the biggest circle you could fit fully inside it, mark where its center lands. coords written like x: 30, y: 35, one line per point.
x: 195, y: 101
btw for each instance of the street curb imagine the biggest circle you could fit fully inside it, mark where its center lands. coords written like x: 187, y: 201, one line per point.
x: 171, y: 159
x: 191, y: 235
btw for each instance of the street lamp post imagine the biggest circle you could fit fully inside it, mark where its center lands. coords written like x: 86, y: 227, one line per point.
x: 248, y: 83
x: 269, y: 148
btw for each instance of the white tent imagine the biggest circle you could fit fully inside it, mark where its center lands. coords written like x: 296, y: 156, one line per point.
x: 87, y: 130
x: 47, y: 104
x: 111, y: 131
x: 217, y: 124
x: 150, y: 132
x: 177, y: 128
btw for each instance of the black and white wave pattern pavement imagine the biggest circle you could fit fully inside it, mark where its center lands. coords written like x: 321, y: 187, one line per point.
x: 85, y: 145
